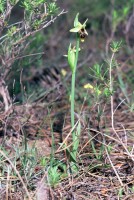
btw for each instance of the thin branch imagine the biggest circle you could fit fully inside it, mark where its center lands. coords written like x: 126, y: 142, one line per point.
x: 36, y: 31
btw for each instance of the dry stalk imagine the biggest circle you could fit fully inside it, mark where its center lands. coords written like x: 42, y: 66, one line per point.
x: 112, y: 108
x: 18, y: 174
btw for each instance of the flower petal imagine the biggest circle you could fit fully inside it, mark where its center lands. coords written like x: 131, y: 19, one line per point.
x: 88, y: 86
x: 76, y: 29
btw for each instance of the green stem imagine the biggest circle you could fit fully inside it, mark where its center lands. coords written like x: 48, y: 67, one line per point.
x: 73, y: 85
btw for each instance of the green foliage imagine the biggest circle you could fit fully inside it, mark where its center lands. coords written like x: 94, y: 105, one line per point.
x: 53, y: 176
x: 29, y: 162
x: 119, y: 13
x: 2, y: 5
x: 107, y: 92
x: 98, y: 154
x: 98, y: 71
x: 76, y: 140
x: 120, y: 192
x: 56, y: 172
x: 43, y: 161
x: 115, y: 46
x: 36, y: 24
x: 101, y: 89
x: 73, y: 152
x: 52, y: 8
x: 16, y: 37
x: 11, y: 31
x: 31, y: 5
x: 13, y: 2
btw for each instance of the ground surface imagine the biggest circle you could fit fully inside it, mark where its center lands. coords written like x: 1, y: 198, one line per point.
x: 96, y: 178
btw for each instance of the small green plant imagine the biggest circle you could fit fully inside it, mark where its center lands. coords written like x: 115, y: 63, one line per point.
x: 115, y: 46
x: 28, y: 160
x: 100, y: 90
x: 43, y: 161
x: 53, y: 176
x: 73, y: 54
x: 104, y: 79
x: 56, y: 172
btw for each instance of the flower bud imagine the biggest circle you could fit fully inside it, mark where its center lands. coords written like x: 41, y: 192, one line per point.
x: 71, y: 58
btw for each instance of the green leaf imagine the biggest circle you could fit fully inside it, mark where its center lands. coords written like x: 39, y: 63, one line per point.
x: 70, y: 156
x: 76, y: 140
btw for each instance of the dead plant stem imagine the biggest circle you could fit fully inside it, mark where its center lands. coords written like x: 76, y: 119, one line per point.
x: 115, y: 171
x: 112, y: 107
x: 18, y: 174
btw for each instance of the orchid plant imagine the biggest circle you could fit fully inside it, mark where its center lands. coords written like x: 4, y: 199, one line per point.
x: 73, y: 54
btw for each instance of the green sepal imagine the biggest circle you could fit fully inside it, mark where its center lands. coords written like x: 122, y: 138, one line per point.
x: 76, y: 21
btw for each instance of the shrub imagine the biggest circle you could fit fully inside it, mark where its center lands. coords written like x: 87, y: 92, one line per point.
x: 16, y: 37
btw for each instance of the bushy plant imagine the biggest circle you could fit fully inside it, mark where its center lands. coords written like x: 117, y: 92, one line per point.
x: 16, y: 37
